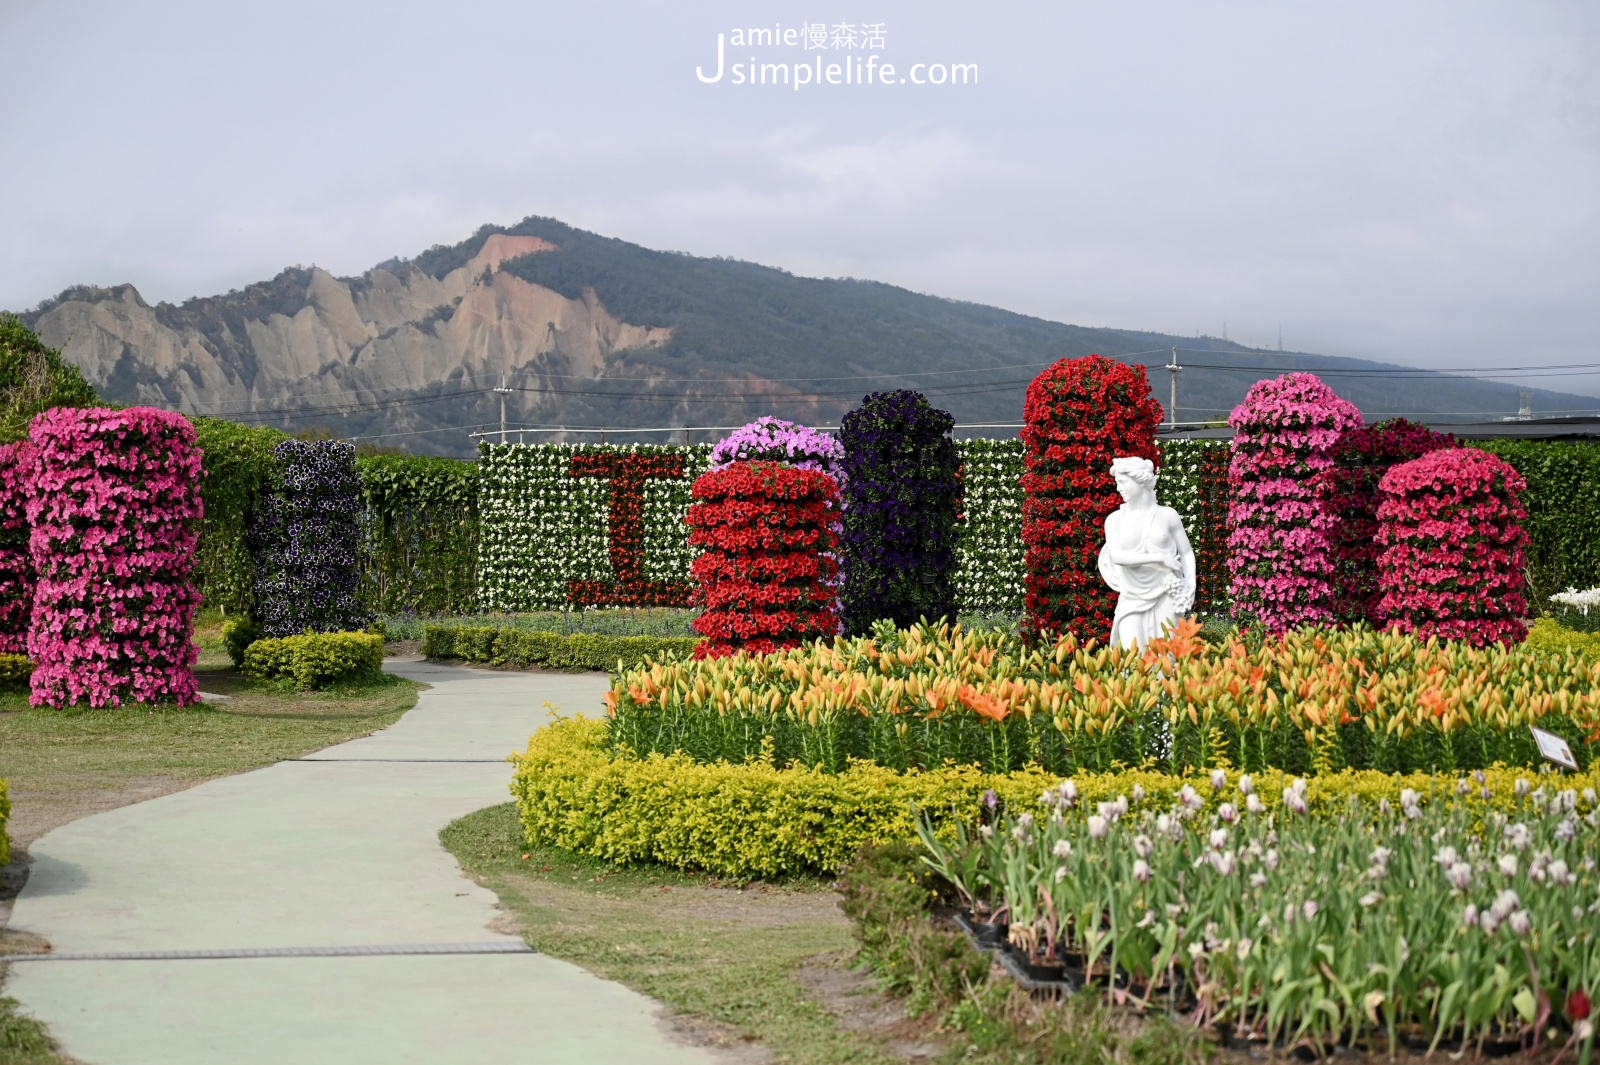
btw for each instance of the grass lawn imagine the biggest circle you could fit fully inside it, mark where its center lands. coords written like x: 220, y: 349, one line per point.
x: 765, y: 962
x: 66, y: 764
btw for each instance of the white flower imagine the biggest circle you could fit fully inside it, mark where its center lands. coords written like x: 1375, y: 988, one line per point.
x: 1459, y: 875
x: 1508, y: 865
x: 1537, y: 867
x: 1258, y: 880
x: 1197, y: 951
x: 986, y: 831
x: 1463, y: 787
x: 1242, y: 950
x: 1567, y: 830
x: 1560, y: 875
x: 1069, y: 793
x: 1521, y: 923
x: 1383, y: 807
x: 1061, y: 873
x: 1469, y: 916
x: 1371, y: 898
x: 1190, y: 798
x: 1228, y: 813
x: 1590, y: 797
x: 1138, y: 793
x: 1380, y: 859
x: 1253, y: 803
x: 1522, y: 787
x: 1309, y: 908
x: 1504, y: 903
x: 1098, y: 826
x: 1519, y: 836
x: 1141, y: 870
x: 1270, y: 859
x: 1219, y: 780
x: 1583, y: 1030
x: 1142, y: 845
x: 1478, y: 775
x: 1247, y: 785
x: 1294, y: 801
x: 1147, y: 920
x: 1222, y: 862
x: 1488, y: 922
x: 1219, y: 838
x: 1062, y: 849
x: 1446, y: 857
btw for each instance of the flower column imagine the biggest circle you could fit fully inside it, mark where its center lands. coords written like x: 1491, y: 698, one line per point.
x: 16, y: 566
x: 1278, y: 550
x: 1450, y: 528
x: 766, y: 573
x: 115, y: 509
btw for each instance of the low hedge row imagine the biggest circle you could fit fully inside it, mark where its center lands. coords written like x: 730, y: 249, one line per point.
x: 760, y: 820
x: 15, y: 673
x: 1547, y: 636
x: 5, y: 816
x: 576, y: 651
x: 315, y: 659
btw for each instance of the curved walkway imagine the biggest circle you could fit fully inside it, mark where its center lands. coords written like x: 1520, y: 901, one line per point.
x: 337, y: 851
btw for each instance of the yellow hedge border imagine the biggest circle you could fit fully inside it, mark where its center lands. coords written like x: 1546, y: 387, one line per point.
x: 1549, y: 637
x: 759, y: 820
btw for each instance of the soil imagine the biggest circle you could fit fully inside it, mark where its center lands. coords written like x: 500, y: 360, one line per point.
x: 853, y: 996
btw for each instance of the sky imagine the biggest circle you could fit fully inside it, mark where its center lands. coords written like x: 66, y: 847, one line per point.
x: 1412, y: 181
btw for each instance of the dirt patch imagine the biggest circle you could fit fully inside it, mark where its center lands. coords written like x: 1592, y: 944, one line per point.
x: 853, y: 997
x: 725, y: 1042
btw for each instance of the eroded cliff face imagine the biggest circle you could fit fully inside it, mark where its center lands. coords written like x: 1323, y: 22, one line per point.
x: 309, y: 338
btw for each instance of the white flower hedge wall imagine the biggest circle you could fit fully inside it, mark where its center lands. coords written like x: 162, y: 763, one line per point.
x: 542, y: 528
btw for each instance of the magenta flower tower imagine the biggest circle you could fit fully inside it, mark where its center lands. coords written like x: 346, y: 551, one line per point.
x: 1279, y: 555
x: 115, y: 509
x: 1453, y: 548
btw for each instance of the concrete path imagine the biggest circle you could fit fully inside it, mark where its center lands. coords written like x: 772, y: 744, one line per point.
x: 337, y: 850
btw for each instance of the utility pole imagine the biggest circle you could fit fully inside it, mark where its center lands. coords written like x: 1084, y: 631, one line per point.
x: 1174, y: 369
x: 504, y: 391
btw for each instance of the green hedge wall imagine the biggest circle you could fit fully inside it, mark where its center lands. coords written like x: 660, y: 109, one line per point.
x: 420, y: 530
x: 237, y: 460
x: 1563, y: 501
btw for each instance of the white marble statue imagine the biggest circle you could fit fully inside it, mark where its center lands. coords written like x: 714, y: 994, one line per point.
x: 1146, y: 559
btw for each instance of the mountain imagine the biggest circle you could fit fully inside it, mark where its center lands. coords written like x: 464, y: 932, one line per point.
x: 591, y: 331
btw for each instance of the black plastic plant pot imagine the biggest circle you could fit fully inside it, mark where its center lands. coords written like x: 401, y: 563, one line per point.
x: 985, y: 935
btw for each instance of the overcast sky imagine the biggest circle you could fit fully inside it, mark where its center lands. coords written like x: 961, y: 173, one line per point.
x: 1417, y: 182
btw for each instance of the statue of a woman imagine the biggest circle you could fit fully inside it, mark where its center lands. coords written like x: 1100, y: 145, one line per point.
x: 1146, y: 559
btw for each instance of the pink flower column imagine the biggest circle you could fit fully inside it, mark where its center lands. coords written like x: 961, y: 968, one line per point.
x: 1279, y: 555
x: 115, y: 509
x: 1453, y: 561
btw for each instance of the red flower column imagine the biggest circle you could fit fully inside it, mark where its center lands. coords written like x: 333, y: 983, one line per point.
x: 629, y: 586
x: 1450, y: 528
x: 115, y: 509
x: 766, y: 572
x: 16, y: 567
x: 1079, y: 415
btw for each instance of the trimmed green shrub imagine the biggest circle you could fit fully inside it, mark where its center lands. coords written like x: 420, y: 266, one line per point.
x: 237, y: 635
x: 15, y: 671
x: 1563, y: 499
x: 237, y: 460
x: 421, y: 530
x: 575, y: 652
x: 758, y: 820
x: 315, y: 659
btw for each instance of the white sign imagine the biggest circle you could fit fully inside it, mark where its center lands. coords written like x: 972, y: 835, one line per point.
x: 1554, y: 749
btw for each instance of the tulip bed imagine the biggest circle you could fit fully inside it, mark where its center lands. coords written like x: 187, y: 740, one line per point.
x: 1470, y: 918
x: 1307, y: 701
